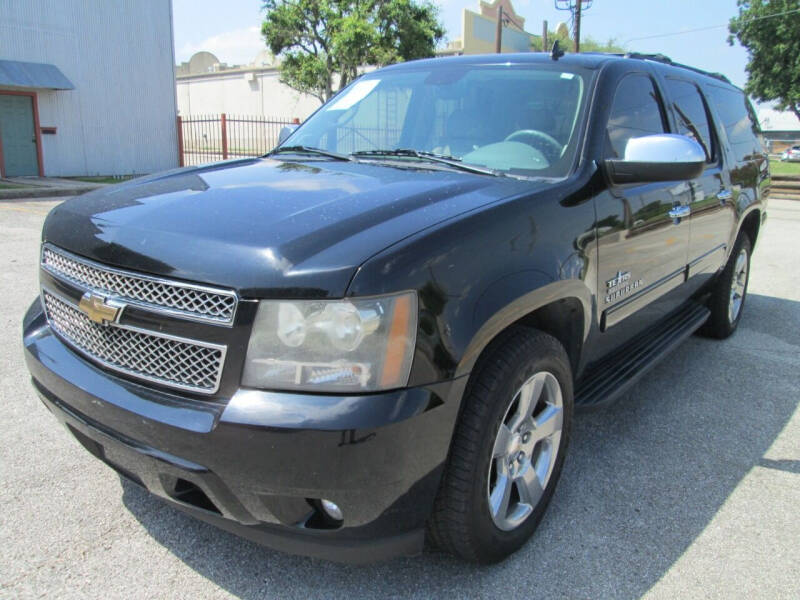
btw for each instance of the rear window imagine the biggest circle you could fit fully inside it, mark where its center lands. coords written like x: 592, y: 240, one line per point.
x: 738, y: 120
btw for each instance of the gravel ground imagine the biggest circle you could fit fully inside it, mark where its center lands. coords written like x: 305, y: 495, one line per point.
x: 687, y: 487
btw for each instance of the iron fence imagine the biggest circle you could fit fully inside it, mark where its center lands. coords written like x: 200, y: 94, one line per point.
x: 209, y: 138
x: 351, y: 139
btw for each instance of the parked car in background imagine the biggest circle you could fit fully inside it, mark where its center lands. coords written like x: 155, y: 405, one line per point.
x: 791, y: 154
x: 379, y: 331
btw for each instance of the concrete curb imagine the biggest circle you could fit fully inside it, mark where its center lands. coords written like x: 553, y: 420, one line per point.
x: 43, y: 192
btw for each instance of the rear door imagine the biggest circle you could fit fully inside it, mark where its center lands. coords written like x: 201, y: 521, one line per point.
x: 713, y: 216
x: 747, y: 167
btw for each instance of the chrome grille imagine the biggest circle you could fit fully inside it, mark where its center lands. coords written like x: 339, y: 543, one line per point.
x: 188, y: 300
x: 171, y: 361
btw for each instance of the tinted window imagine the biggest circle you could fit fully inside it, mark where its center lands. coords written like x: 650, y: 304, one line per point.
x: 737, y: 119
x: 517, y: 119
x: 636, y: 112
x: 691, y: 114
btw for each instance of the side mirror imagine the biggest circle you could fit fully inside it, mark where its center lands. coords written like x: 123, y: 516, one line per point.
x: 662, y: 157
x: 285, y: 132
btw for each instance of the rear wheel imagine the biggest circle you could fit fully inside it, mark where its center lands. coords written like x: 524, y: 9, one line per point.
x: 729, y: 292
x: 508, y: 449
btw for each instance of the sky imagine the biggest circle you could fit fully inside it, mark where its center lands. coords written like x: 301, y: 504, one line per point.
x: 232, y: 32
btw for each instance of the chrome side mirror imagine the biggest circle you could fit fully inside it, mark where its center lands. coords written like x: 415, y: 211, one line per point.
x: 286, y: 131
x: 662, y: 157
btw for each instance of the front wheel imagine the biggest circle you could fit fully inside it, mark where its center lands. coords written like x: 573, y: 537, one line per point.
x: 508, y: 449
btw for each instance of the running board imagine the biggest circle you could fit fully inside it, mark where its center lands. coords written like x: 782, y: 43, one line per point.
x: 611, y: 377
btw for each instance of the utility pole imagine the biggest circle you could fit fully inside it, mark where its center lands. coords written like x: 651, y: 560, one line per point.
x: 576, y: 7
x: 544, y: 36
x: 498, y: 36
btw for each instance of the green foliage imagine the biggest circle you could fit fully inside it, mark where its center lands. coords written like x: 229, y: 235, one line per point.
x: 773, y: 46
x: 323, y: 42
x: 588, y: 44
x: 777, y: 167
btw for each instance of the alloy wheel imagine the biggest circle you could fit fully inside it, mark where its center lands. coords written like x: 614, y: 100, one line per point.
x: 525, y: 450
x: 738, y: 285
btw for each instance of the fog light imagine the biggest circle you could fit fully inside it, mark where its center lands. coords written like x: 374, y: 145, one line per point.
x: 332, y: 510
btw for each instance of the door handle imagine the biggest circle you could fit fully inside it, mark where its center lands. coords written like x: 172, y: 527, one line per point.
x: 724, y: 195
x: 680, y: 212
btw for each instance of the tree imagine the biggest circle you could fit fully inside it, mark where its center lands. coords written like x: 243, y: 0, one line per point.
x: 770, y: 30
x: 322, y: 43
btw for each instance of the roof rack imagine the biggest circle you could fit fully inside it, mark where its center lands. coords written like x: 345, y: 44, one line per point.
x: 668, y: 61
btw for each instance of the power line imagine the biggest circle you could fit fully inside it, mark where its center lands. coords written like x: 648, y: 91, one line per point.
x: 651, y: 37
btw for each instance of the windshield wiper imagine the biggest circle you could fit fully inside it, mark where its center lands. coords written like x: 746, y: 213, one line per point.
x: 309, y: 150
x: 452, y: 161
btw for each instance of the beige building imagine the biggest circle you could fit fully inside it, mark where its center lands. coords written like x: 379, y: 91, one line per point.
x: 479, y: 30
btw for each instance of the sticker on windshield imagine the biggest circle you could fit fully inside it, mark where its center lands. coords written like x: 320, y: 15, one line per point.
x: 356, y: 93
x: 567, y: 75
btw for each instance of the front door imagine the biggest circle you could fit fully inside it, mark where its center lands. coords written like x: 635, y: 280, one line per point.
x: 642, y: 240
x: 18, y: 136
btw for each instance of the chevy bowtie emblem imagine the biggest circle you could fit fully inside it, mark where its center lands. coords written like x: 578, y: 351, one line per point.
x: 98, y: 309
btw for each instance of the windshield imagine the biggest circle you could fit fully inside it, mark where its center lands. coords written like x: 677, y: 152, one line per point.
x: 513, y: 119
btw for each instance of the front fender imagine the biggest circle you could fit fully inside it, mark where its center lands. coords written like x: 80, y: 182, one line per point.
x: 506, y: 310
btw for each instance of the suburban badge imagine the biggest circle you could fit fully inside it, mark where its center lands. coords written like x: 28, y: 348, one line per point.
x: 620, y: 286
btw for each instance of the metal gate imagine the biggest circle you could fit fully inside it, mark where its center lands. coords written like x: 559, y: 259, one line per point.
x: 209, y: 138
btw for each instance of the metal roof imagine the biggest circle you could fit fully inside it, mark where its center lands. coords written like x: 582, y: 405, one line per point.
x: 16, y: 73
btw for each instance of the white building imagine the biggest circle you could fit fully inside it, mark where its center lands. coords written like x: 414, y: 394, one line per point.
x: 780, y: 130
x: 86, y: 87
x: 205, y: 86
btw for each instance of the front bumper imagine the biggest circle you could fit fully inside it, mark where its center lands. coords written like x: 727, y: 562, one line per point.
x: 252, y: 463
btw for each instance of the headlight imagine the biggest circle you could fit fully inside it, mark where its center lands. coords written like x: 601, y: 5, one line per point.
x: 353, y: 345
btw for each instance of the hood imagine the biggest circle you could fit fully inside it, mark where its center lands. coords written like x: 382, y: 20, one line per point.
x: 263, y: 227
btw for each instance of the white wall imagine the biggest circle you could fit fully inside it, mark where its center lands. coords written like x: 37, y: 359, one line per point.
x: 231, y: 93
x: 120, y: 118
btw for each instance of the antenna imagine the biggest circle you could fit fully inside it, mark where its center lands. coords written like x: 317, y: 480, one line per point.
x: 557, y: 52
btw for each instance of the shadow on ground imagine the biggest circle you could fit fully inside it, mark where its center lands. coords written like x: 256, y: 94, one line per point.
x: 643, y: 479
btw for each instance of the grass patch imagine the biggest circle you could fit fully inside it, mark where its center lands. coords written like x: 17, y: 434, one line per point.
x: 104, y: 178
x: 11, y: 186
x: 777, y: 167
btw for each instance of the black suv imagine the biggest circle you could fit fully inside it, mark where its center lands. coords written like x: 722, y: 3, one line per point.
x: 378, y: 332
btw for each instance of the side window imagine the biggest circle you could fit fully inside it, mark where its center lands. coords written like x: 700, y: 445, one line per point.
x: 691, y: 114
x: 636, y: 112
x: 738, y: 120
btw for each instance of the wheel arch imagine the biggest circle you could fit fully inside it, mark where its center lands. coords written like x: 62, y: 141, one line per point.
x: 561, y: 309
x: 751, y: 225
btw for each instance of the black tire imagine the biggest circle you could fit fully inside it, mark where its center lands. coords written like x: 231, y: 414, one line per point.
x: 720, y: 325
x: 462, y: 523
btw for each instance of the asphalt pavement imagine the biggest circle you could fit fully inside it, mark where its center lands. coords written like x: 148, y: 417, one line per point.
x: 688, y: 487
